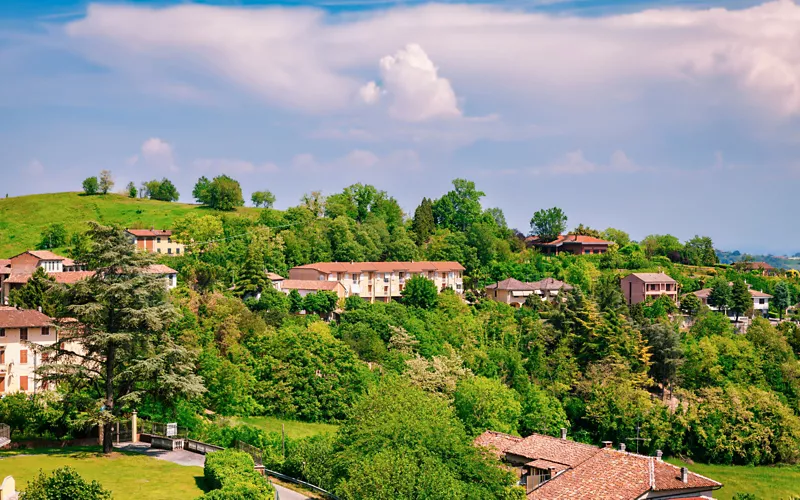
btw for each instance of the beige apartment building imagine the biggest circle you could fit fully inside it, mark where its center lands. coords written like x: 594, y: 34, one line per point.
x: 19, y: 328
x: 641, y: 287
x: 155, y: 241
x: 381, y: 281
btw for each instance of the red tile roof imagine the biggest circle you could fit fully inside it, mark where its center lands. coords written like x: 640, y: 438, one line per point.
x: 141, y: 233
x: 11, y: 317
x: 275, y: 277
x: 612, y: 474
x: 45, y: 255
x: 563, y: 451
x: 67, y: 277
x: 310, y: 285
x: 653, y: 277
x: 496, y: 442
x: 706, y: 292
x: 759, y: 265
x: 546, y: 464
x: 567, y: 239
x: 382, y: 267
x: 5, y: 266
x: 514, y: 284
x: 508, y: 284
x: 159, y: 269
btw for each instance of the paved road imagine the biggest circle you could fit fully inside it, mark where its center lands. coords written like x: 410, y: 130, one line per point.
x: 187, y: 458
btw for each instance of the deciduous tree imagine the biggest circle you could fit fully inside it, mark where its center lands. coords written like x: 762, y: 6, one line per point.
x: 262, y: 199
x: 548, y: 223
x: 53, y: 236
x: 90, y: 185
x: 741, y: 300
x: 720, y: 295
x: 106, y: 182
x: 420, y: 292
x: 781, y: 298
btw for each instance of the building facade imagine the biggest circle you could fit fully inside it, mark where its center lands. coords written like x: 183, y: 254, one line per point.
x: 155, y: 241
x: 514, y: 292
x: 17, y: 270
x: 641, y: 287
x: 760, y: 302
x: 381, y: 281
x: 20, y: 331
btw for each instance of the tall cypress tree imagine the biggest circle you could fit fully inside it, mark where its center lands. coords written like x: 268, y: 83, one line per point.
x: 423, y: 224
x: 123, y: 352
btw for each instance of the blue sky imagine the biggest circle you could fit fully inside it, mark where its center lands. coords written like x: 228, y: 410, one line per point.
x: 652, y: 117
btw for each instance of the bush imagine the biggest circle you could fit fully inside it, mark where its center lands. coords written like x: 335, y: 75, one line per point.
x: 231, y: 475
x: 63, y: 484
x: 90, y: 185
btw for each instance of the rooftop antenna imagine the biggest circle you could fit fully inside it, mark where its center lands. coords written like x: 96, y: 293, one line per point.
x: 638, y: 439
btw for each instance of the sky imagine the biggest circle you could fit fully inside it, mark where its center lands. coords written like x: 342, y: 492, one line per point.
x: 674, y: 116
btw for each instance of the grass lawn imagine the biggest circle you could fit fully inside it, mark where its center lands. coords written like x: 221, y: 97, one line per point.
x: 294, y: 429
x: 22, y: 218
x: 129, y: 476
x: 766, y: 483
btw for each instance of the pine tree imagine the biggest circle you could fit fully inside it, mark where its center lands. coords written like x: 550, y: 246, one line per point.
x: 253, y: 278
x: 782, y: 298
x: 124, y: 351
x: 741, y: 300
x: 423, y: 224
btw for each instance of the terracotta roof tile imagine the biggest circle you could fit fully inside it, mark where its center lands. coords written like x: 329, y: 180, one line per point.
x: 509, y: 284
x: 66, y: 277
x: 275, y: 277
x: 706, y: 292
x: 45, y: 255
x: 653, y: 277
x: 159, y: 269
x: 11, y: 317
x: 496, y: 442
x: 382, y: 267
x: 310, y: 285
x: 563, y: 451
x: 514, y: 284
x: 149, y: 232
x: 567, y: 239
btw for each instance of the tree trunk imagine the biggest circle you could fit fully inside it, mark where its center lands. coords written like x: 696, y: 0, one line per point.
x: 108, y: 438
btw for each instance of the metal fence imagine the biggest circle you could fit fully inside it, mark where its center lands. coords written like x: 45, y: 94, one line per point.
x: 5, y: 434
x: 161, y: 429
x: 198, y: 447
x: 256, y: 453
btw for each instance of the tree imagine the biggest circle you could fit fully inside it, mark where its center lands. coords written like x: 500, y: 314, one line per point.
x: 63, y: 484
x: 541, y: 413
x: 222, y: 193
x: 486, y: 404
x: 582, y: 230
x: 549, y: 223
x: 263, y: 199
x: 691, y: 304
x: 131, y: 189
x: 124, y: 350
x: 423, y: 223
x: 781, y: 298
x: 741, y: 300
x: 699, y: 251
x: 618, y: 236
x: 53, y: 236
x: 253, y: 278
x: 295, y: 301
x: 720, y: 295
x: 420, y: 292
x: 667, y: 353
x: 165, y: 191
x: 106, y: 183
x: 460, y: 208
x: 90, y: 185
x: 314, y: 202
x: 37, y: 292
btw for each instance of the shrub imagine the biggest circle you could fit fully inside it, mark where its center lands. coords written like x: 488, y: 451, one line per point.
x: 63, y: 484
x: 231, y: 475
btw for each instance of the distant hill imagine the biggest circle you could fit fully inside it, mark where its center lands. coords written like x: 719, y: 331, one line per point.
x: 780, y: 262
x: 22, y: 218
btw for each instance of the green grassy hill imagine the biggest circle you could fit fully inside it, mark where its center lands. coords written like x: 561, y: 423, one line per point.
x: 23, y: 218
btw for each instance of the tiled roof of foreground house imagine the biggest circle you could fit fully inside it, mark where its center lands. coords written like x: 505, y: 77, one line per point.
x: 11, y: 317
x: 654, y: 277
x: 66, y: 277
x: 382, y: 267
x: 591, y: 473
x: 514, y: 284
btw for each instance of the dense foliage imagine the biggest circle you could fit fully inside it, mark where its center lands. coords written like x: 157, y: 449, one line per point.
x: 63, y: 484
x: 230, y: 475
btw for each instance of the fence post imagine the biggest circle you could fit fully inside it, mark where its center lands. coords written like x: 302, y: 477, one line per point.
x: 134, y: 427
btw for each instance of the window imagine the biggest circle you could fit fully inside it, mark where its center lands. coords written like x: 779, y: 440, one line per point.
x: 169, y: 251
x: 23, y: 334
x: 762, y: 301
x: 169, y: 240
x: 587, y: 251
x: 2, y: 357
x: 178, y: 251
x: 2, y: 332
x: 45, y: 331
x: 158, y: 240
x: 355, y: 278
x: 23, y: 383
x: 386, y: 277
x: 158, y: 250
x: 2, y: 383
x: 402, y: 275
x: 23, y: 357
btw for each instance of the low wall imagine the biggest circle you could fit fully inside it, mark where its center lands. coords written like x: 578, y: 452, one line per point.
x: 165, y: 443
x: 198, y: 447
x: 289, y: 479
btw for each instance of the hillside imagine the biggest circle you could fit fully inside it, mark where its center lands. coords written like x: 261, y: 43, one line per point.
x: 23, y: 218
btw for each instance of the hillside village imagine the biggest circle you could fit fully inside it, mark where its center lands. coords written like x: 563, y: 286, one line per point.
x: 565, y: 363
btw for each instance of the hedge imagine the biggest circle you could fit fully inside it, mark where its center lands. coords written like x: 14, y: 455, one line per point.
x: 231, y: 475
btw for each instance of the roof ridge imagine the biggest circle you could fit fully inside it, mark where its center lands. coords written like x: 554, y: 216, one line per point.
x: 690, y: 472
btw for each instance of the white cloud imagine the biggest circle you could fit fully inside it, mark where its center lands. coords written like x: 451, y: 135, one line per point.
x: 304, y: 59
x: 412, y: 82
x: 575, y: 163
x: 158, y: 153
x: 232, y: 166
x: 359, y: 160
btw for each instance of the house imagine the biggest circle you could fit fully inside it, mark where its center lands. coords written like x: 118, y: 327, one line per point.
x: 515, y: 292
x: 276, y: 280
x: 577, y: 244
x: 553, y: 468
x: 304, y: 287
x: 19, y: 269
x: 641, y: 287
x: 380, y: 281
x: 61, y: 269
x: 761, y: 267
x: 155, y: 241
x: 760, y: 301
x: 19, y: 328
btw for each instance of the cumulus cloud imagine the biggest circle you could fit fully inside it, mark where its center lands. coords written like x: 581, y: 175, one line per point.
x: 360, y: 160
x: 575, y: 163
x: 305, y: 59
x: 157, y: 153
x: 412, y: 82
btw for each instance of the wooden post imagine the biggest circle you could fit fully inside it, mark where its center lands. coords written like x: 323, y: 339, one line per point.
x: 283, y: 439
x: 134, y: 427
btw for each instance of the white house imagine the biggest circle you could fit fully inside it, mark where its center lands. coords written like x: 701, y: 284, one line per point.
x: 760, y: 301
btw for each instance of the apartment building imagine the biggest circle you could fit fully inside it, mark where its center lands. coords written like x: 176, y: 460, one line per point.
x: 381, y: 281
x: 641, y: 287
x: 155, y: 241
x: 19, y: 329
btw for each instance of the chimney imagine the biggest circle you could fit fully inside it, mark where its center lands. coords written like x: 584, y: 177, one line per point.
x: 659, y: 454
x: 684, y: 475
x: 608, y: 444
x: 40, y: 308
x: 622, y: 447
x: 564, y: 433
